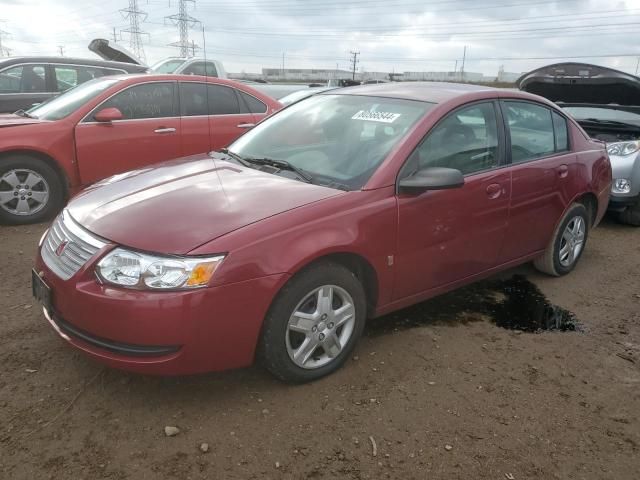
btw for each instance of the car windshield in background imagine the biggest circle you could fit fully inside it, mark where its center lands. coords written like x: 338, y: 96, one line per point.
x: 167, y: 66
x: 606, y: 114
x: 339, y: 139
x: 67, y: 103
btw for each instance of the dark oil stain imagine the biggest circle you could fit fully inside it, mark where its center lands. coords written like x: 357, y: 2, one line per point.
x: 513, y: 303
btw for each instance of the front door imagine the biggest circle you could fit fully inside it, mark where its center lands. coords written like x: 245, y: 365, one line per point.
x: 448, y: 235
x: 148, y: 133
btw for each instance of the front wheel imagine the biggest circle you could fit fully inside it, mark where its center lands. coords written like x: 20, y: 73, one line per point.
x: 30, y: 190
x: 567, y: 244
x: 314, y: 324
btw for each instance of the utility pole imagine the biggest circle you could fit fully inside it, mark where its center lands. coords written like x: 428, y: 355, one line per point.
x: 464, y: 58
x: 61, y: 50
x: 183, y: 21
x: 133, y: 13
x: 354, y: 62
x: 637, y: 64
x: 115, y: 35
x: 455, y: 67
x: 283, y: 65
x: 3, y: 50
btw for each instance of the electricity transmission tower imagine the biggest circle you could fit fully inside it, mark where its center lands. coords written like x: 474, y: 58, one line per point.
x: 184, y: 22
x: 3, y: 50
x: 134, y: 14
x: 354, y: 62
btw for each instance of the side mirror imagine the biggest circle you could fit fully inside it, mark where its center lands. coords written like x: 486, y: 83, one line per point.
x: 108, y: 115
x: 435, y: 178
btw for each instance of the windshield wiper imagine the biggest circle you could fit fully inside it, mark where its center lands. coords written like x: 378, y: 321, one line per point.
x: 282, y: 165
x: 22, y: 113
x: 234, y: 156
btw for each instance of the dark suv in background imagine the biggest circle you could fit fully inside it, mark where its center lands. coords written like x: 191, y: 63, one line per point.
x: 25, y: 81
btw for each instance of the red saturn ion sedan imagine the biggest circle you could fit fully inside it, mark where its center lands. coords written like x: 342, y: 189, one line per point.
x: 345, y: 206
x: 114, y: 124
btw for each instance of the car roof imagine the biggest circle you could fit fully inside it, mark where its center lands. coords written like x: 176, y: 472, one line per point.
x: 90, y: 62
x: 432, y: 92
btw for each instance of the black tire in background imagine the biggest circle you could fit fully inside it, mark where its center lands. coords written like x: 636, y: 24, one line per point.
x: 550, y: 262
x: 272, y: 349
x: 51, y: 181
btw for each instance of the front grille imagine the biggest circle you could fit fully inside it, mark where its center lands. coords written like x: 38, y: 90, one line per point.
x: 80, y: 246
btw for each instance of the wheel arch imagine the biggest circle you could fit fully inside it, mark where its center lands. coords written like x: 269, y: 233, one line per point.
x: 50, y: 161
x: 590, y: 202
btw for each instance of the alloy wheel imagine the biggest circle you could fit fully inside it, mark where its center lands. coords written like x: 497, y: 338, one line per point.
x: 23, y: 192
x: 572, y: 241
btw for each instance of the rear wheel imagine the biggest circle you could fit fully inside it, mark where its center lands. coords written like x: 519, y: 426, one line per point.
x: 30, y: 190
x: 567, y: 244
x: 631, y: 215
x: 313, y: 324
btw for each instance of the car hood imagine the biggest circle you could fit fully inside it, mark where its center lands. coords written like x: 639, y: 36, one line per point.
x: 177, y: 206
x: 112, y: 52
x: 582, y: 83
x: 12, y: 120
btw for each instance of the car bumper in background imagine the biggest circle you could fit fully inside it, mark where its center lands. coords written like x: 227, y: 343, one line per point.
x: 618, y: 203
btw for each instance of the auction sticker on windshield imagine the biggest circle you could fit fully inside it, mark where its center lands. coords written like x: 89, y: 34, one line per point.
x: 383, y: 117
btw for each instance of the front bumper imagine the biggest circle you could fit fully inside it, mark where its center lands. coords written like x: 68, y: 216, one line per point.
x: 164, y: 333
x: 618, y: 203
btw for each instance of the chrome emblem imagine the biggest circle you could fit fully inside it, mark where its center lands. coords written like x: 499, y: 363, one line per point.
x: 62, y: 247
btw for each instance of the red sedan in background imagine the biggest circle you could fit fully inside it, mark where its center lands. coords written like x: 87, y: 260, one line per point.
x: 111, y: 125
x: 347, y: 205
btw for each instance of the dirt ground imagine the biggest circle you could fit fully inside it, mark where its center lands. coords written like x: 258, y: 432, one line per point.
x: 452, y: 397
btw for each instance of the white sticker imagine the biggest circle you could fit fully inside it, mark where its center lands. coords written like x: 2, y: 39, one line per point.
x: 383, y: 117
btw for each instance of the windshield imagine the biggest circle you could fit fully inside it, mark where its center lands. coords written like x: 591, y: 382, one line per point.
x: 339, y: 139
x: 582, y: 113
x: 67, y: 103
x: 167, y: 66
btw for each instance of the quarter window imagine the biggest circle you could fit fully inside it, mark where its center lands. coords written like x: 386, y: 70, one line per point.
x: 531, y: 129
x: 466, y: 140
x: 148, y: 100
x: 561, y: 132
x: 251, y: 104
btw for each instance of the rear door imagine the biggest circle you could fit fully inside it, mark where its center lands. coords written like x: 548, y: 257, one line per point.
x: 212, y: 116
x: 447, y: 235
x: 542, y: 166
x: 148, y: 133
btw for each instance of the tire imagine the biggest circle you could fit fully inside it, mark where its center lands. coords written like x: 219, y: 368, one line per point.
x: 557, y: 260
x: 41, y: 193
x: 284, y: 336
x: 631, y: 215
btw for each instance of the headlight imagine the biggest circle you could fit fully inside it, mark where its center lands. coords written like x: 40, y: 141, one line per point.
x: 140, y: 270
x: 621, y: 185
x: 622, y: 149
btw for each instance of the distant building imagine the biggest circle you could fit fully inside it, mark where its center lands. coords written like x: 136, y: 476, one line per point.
x: 303, y: 74
x: 443, y: 76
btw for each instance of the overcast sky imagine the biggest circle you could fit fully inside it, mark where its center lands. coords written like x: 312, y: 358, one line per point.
x: 392, y: 35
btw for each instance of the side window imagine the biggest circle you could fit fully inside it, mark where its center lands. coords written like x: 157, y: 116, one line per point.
x: 193, y: 99
x: 222, y: 100
x: 466, y: 139
x: 66, y: 77
x: 531, y: 130
x: 148, y: 100
x: 251, y: 104
x: 201, y: 68
x: 561, y: 132
x: 10, y: 80
x: 23, y: 79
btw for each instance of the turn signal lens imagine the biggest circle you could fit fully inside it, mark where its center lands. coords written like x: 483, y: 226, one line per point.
x: 202, y: 273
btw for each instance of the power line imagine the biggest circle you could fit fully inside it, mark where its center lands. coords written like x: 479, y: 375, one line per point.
x: 133, y: 13
x: 184, y: 21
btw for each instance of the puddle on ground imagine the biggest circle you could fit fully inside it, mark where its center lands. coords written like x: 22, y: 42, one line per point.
x: 513, y: 303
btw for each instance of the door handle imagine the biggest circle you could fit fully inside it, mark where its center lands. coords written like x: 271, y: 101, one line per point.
x: 494, y: 190
x: 563, y: 171
x: 164, y: 130
x: 246, y: 125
